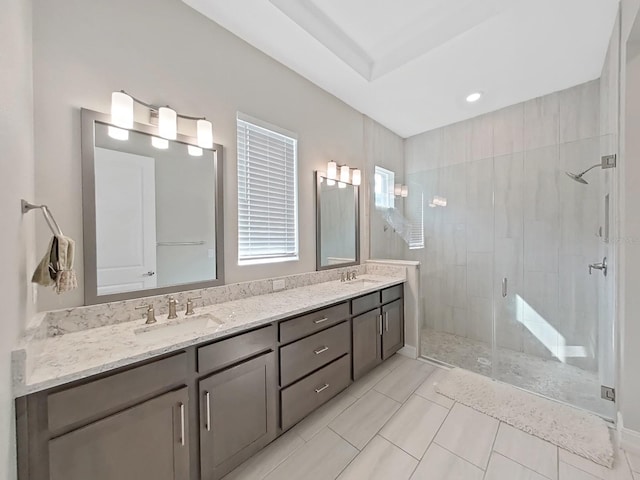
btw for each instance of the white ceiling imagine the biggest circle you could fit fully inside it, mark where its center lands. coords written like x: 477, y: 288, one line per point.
x: 409, y: 64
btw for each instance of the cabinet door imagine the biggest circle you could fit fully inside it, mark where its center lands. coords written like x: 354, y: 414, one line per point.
x: 366, y: 342
x: 145, y: 441
x: 237, y: 414
x: 393, y: 328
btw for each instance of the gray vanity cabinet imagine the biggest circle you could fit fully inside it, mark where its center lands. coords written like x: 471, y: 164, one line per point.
x: 149, y: 440
x: 366, y: 342
x: 378, y: 333
x: 238, y: 414
x: 393, y: 328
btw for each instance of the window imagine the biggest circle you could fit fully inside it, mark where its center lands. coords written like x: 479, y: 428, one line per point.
x: 415, y: 212
x: 383, y: 183
x: 267, y: 193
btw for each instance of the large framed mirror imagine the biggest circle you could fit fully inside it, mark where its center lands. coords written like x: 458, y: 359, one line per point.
x: 152, y: 212
x: 337, y: 223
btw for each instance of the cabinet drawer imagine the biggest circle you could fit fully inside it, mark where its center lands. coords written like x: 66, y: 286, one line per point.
x: 308, y: 354
x: 307, y: 324
x: 365, y: 303
x: 303, y: 397
x: 107, y: 394
x: 227, y: 352
x: 392, y: 293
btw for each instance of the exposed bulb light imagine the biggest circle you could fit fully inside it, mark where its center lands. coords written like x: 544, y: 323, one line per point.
x: 356, y: 177
x: 118, y: 133
x: 121, y: 110
x: 161, y: 143
x: 167, y: 123
x: 342, y: 185
x: 344, y: 173
x: 474, y: 97
x: 332, y: 170
x: 194, y: 151
x: 205, y: 133
x: 404, y: 191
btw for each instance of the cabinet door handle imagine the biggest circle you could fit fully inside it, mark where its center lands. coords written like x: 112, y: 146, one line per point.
x: 182, y: 439
x: 324, y: 387
x: 321, y: 350
x: 386, y: 321
x: 320, y: 320
x: 207, y: 400
x: 380, y: 324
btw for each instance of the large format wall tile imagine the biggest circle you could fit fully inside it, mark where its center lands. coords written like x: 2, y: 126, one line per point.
x: 541, y: 122
x: 579, y: 112
x: 508, y: 131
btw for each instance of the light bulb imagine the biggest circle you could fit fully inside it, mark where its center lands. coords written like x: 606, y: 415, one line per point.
x: 344, y: 173
x: 404, y: 192
x: 356, y: 178
x: 118, y: 133
x: 121, y: 110
x: 167, y: 123
x: 161, y: 143
x: 205, y: 133
x: 332, y: 170
x: 194, y: 151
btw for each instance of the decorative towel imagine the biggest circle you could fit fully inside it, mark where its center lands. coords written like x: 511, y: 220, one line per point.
x: 56, y: 267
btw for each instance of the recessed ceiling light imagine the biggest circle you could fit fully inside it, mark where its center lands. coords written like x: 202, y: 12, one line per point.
x: 474, y: 97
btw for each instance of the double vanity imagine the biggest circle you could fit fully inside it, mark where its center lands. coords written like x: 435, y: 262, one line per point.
x: 194, y: 397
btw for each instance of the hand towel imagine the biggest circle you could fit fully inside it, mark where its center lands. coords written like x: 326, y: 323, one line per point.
x: 56, y: 267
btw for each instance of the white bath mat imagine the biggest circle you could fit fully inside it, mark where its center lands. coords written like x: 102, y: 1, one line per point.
x: 579, y: 432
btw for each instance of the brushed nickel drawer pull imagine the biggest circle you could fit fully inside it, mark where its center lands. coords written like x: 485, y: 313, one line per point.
x: 380, y: 325
x: 182, y: 439
x: 321, y: 320
x: 386, y: 321
x: 321, y: 350
x: 324, y: 387
x: 207, y: 397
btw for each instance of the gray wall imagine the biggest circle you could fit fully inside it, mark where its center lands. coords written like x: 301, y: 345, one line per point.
x: 165, y: 52
x: 629, y: 275
x: 16, y: 165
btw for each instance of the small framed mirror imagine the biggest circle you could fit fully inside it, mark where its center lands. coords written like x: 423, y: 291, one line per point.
x: 152, y: 212
x: 337, y: 223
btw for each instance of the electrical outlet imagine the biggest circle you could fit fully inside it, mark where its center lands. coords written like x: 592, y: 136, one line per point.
x: 278, y: 285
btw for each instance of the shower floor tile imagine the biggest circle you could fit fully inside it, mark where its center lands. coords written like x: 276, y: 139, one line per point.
x: 550, y: 378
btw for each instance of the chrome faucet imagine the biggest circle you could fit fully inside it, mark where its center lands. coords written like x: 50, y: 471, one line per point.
x: 353, y: 275
x: 172, y: 308
x: 151, y: 317
x: 342, y: 276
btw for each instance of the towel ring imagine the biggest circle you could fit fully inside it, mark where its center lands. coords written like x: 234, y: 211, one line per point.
x: 46, y: 213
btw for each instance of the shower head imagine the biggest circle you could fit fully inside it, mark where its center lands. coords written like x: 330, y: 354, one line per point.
x: 577, y: 177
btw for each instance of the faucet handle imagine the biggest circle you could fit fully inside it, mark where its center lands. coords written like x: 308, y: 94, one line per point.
x: 353, y: 275
x: 190, y: 310
x: 151, y: 317
x: 172, y: 308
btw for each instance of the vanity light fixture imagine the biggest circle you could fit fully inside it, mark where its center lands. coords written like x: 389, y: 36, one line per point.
x: 344, y: 173
x: 332, y: 170
x: 404, y: 192
x: 356, y: 177
x: 474, y: 97
x: 160, y: 143
x: 342, y: 185
x: 122, y: 117
x: 400, y: 190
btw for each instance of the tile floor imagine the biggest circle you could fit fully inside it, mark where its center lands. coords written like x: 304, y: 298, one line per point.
x: 392, y: 424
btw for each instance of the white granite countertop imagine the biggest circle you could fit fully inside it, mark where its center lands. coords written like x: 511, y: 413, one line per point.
x: 61, y: 359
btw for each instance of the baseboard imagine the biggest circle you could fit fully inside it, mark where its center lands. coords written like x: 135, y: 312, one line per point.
x: 409, y: 351
x: 630, y: 440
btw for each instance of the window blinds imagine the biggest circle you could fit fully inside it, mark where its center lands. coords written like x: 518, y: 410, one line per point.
x: 267, y: 195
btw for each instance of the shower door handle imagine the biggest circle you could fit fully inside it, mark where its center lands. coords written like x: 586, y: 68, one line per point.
x: 504, y: 287
x: 599, y: 266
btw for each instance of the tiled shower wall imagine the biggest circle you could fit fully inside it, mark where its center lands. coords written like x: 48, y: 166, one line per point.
x: 512, y: 212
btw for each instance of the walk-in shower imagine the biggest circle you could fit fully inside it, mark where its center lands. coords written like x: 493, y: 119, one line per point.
x: 511, y: 253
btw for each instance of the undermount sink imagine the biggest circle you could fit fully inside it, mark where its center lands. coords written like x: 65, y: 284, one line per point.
x: 363, y: 281
x: 177, y: 327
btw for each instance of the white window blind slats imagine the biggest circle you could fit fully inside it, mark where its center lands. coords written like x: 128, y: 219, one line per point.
x: 267, y: 195
x: 415, y: 207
